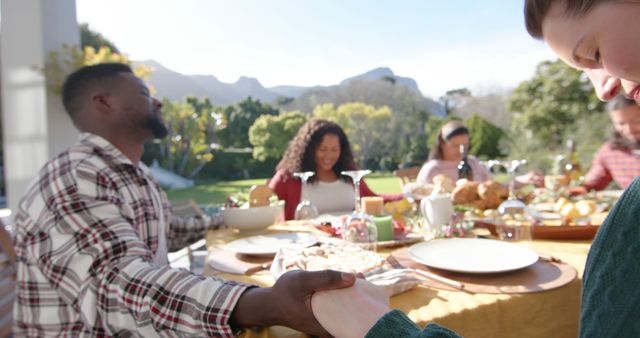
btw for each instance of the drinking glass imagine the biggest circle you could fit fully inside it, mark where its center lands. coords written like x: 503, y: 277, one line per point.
x: 514, y: 222
x: 305, y: 210
x: 359, y: 227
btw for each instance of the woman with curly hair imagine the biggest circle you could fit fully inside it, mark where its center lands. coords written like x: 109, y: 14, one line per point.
x: 320, y: 146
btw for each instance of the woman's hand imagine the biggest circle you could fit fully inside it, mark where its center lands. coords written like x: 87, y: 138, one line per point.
x: 350, y: 312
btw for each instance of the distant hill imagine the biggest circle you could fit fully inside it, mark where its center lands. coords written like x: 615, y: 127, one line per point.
x: 385, y: 74
x: 378, y: 86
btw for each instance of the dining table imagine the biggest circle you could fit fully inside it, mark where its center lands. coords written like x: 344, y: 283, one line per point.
x: 548, y: 313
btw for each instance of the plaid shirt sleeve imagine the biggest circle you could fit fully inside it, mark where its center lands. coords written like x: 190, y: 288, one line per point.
x: 598, y: 176
x: 184, y: 231
x: 103, y: 273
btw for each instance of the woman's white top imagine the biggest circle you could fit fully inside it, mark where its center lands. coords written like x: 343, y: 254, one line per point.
x: 335, y: 197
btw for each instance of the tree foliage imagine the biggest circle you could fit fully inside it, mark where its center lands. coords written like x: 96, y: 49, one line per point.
x: 549, y: 103
x: 91, y: 38
x: 554, y: 105
x: 270, y: 134
x: 454, y: 98
x: 485, y: 137
x: 239, y: 118
x: 192, y: 125
x: 365, y: 125
x: 60, y: 63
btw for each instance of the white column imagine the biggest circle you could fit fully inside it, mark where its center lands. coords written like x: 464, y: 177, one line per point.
x: 35, y: 126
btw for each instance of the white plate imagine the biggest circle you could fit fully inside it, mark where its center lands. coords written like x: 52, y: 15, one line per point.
x: 472, y: 255
x: 265, y: 245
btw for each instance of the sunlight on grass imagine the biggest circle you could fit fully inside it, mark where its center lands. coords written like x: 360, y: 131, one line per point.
x: 217, y: 192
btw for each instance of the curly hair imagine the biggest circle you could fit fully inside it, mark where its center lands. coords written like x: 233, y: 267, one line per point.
x: 300, y: 154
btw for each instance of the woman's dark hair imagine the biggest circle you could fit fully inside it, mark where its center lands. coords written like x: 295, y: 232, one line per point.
x: 446, y: 132
x: 300, y: 154
x: 617, y: 140
x: 535, y: 12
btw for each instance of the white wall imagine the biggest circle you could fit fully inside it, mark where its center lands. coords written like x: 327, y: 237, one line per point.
x: 35, y: 127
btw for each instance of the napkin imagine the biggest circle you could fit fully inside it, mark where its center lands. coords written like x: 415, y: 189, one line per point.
x: 396, y: 281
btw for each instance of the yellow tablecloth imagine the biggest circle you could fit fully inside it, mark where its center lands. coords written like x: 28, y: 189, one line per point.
x: 551, y: 313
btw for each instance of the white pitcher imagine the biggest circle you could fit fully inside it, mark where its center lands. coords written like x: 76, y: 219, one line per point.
x: 437, y: 211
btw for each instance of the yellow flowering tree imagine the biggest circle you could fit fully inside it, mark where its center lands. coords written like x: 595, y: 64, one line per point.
x: 60, y: 63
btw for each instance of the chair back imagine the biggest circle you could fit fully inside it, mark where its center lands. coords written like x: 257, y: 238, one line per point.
x: 407, y: 175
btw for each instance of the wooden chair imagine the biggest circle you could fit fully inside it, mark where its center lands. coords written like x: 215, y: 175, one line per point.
x: 7, y: 281
x: 407, y: 175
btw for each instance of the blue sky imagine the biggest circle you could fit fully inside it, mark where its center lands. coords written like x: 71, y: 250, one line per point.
x: 443, y: 45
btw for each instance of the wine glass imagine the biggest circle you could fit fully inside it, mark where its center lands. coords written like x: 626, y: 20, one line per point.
x: 359, y: 227
x: 305, y: 210
x: 514, y: 222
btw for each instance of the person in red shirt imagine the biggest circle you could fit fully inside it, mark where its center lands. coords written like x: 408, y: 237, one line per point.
x: 618, y: 160
x: 320, y: 146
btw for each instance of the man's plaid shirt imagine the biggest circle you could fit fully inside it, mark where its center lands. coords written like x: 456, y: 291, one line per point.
x: 86, y: 233
x: 609, y: 164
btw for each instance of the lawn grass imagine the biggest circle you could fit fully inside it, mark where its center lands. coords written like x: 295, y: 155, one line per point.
x: 217, y: 192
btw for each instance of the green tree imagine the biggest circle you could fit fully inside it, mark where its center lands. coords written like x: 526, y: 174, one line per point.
x: 549, y: 103
x: 192, y: 137
x: 91, y: 38
x: 454, y: 98
x: 547, y: 110
x: 485, y: 137
x: 270, y: 134
x: 239, y: 118
x: 367, y: 129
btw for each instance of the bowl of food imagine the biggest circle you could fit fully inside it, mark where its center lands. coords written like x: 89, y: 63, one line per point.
x: 246, y: 219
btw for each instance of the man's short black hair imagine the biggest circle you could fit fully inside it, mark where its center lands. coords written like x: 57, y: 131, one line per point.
x: 619, y: 102
x: 78, y: 83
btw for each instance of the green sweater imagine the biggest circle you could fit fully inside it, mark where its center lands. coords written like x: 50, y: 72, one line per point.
x: 611, y: 286
x: 396, y: 324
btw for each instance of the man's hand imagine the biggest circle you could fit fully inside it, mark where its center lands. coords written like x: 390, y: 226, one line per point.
x: 288, y: 302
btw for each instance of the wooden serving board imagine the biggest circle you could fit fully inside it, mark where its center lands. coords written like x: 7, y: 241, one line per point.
x: 562, y: 232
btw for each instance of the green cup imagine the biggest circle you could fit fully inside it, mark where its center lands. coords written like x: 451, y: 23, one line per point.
x: 384, y: 224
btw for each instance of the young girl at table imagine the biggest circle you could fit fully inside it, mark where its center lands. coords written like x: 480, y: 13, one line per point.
x: 446, y: 155
x: 320, y: 146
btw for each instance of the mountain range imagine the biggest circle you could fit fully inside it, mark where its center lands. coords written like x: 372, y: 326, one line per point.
x: 176, y: 86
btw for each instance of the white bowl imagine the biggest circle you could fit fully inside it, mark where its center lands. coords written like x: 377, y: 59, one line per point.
x: 252, y: 219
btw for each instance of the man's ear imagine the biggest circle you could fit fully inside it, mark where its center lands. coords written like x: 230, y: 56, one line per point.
x: 102, y: 103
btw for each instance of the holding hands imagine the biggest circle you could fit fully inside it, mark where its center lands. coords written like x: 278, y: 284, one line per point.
x: 353, y: 311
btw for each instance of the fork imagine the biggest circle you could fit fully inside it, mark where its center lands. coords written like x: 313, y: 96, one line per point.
x: 426, y: 274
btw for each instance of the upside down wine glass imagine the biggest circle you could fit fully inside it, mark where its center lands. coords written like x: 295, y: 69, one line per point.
x: 515, y: 224
x: 359, y: 227
x: 305, y: 209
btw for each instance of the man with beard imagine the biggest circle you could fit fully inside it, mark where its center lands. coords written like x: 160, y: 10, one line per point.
x: 93, y: 230
x: 618, y: 160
